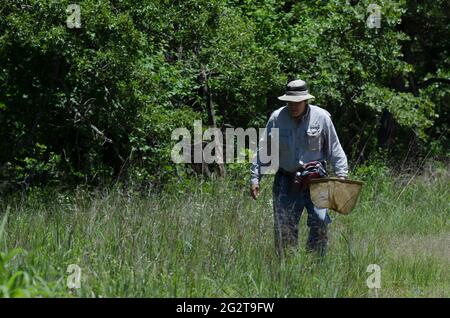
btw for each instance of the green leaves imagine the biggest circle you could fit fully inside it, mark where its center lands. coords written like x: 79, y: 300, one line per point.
x: 132, y: 71
x: 408, y: 110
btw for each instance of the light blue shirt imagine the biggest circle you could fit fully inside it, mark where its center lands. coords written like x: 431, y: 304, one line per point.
x: 313, y: 138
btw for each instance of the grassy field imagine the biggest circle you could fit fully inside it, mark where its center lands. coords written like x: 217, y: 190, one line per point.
x: 213, y: 240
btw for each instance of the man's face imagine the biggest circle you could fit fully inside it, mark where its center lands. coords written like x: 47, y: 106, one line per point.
x: 296, y: 109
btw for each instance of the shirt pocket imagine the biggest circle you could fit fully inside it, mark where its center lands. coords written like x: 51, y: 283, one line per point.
x: 314, y: 139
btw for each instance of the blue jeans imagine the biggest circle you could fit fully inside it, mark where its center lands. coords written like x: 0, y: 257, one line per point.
x: 288, y: 205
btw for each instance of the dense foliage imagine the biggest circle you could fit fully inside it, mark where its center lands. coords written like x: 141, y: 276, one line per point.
x: 99, y: 102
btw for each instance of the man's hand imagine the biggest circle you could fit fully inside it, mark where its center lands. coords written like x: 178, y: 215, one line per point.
x: 254, y: 191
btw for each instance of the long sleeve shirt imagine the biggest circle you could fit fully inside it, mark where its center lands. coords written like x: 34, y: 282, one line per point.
x: 312, y: 138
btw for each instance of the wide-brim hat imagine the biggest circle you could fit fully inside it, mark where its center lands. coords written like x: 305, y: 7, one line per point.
x: 296, y: 91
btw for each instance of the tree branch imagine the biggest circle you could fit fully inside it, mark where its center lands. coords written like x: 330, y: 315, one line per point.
x: 433, y: 80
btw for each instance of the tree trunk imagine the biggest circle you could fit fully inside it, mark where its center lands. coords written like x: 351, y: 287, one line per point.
x: 212, y: 117
x: 386, y: 131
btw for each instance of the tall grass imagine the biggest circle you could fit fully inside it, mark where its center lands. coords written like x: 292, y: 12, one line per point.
x: 213, y: 240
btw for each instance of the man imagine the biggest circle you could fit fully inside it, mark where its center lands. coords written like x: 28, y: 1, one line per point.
x: 306, y: 133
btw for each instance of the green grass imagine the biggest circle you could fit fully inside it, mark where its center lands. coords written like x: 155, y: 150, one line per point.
x: 213, y: 240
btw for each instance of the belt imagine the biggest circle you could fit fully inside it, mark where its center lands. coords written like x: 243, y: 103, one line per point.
x: 286, y: 173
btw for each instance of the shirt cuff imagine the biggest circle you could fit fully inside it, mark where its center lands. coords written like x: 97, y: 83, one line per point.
x: 254, y: 181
